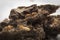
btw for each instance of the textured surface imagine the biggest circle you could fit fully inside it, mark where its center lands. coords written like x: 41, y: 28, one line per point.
x: 31, y: 23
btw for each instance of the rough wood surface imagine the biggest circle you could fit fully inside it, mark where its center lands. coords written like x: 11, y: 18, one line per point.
x: 31, y: 23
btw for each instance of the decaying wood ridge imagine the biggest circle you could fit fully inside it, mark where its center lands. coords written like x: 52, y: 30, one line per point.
x: 31, y: 23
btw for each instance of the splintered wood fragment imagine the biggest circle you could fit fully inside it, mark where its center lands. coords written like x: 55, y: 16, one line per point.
x: 22, y: 27
x: 7, y: 28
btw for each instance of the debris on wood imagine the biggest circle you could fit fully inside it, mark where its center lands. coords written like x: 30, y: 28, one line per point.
x: 31, y: 23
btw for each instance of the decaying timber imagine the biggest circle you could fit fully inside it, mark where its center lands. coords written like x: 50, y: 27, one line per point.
x: 31, y: 23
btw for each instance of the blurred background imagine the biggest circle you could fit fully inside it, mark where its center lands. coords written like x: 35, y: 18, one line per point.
x: 7, y: 5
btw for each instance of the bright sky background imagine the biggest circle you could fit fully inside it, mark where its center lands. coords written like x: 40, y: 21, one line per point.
x: 7, y: 5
